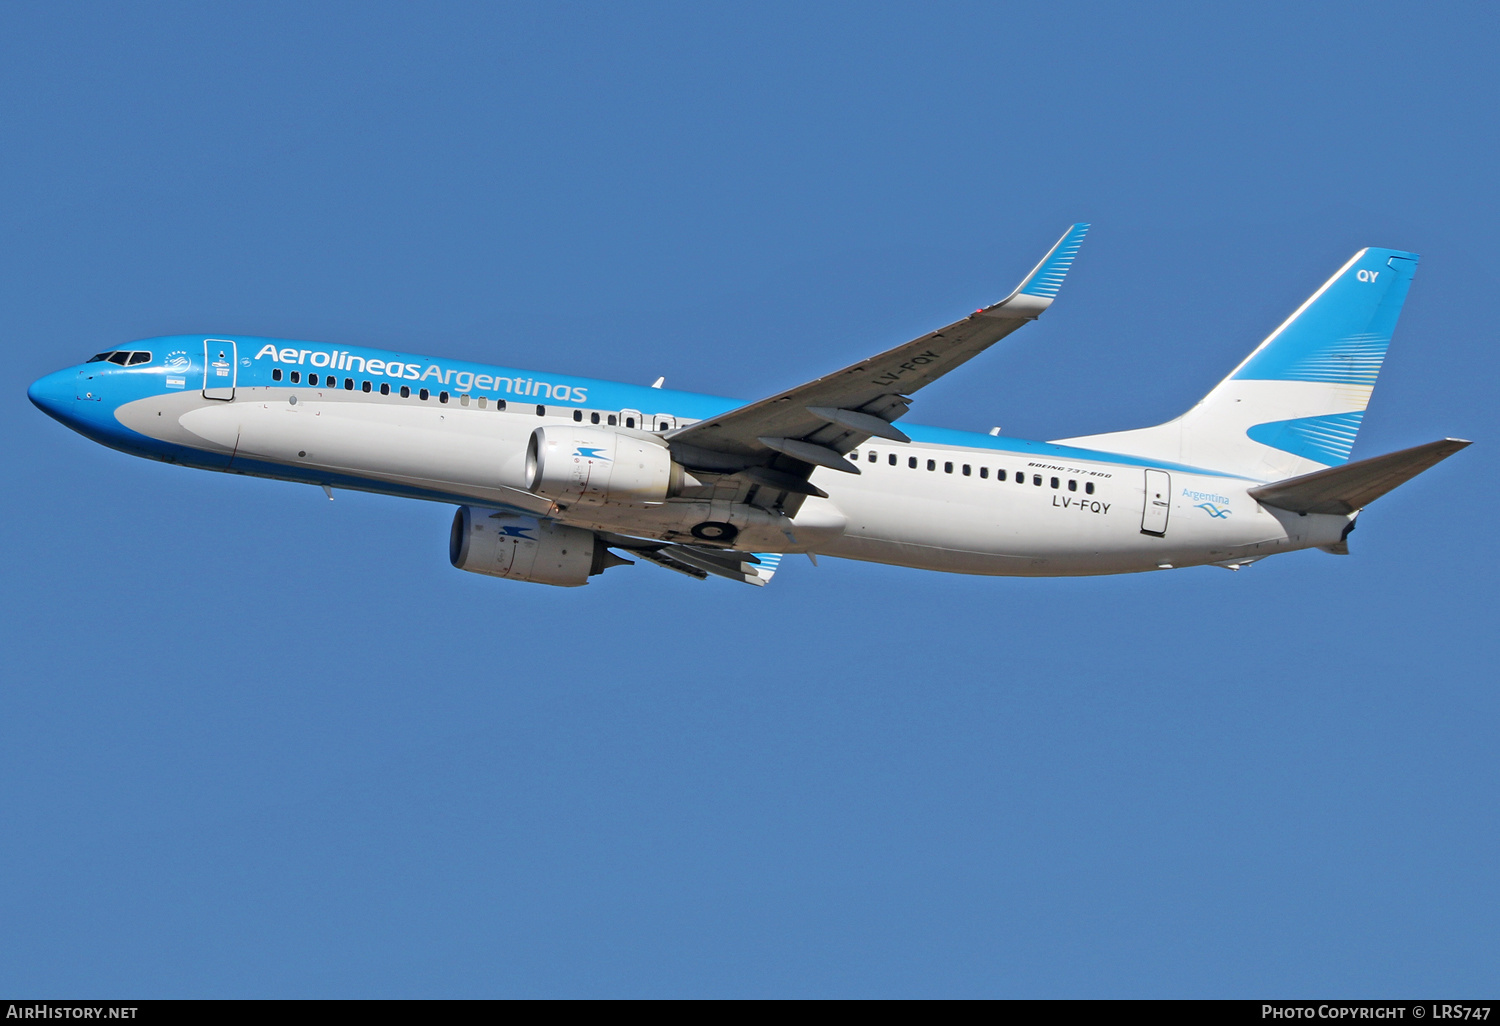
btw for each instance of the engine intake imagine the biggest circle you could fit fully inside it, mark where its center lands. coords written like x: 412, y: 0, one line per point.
x: 522, y: 548
x: 595, y: 466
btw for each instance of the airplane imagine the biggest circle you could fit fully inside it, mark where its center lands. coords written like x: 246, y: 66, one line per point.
x: 558, y: 478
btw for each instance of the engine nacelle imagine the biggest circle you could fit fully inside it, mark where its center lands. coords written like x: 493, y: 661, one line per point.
x: 595, y: 466
x: 522, y: 548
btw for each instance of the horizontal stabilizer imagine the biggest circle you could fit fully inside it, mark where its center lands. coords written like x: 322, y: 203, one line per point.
x: 1342, y: 490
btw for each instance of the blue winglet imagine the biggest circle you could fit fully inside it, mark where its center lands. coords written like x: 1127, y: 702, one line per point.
x: 1049, y: 274
x: 1039, y: 288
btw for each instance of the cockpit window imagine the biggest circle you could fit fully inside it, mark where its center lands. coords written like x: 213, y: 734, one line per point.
x: 123, y: 357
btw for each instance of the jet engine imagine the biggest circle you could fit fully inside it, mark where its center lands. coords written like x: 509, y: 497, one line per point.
x: 595, y: 466
x: 522, y: 548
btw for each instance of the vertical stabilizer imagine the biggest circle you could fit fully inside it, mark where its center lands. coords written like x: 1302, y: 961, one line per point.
x: 1294, y: 405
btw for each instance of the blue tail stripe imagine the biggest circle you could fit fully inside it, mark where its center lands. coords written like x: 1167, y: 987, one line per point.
x: 1340, y: 337
x: 1328, y: 439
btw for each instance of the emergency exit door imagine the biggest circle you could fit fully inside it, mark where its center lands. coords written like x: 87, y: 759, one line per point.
x: 1158, y: 503
x: 220, y: 368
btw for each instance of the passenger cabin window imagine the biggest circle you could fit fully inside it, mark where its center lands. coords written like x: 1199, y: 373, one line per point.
x: 661, y: 426
x: 541, y: 411
x: 423, y: 395
x: 612, y: 419
x: 911, y: 461
x: 365, y: 387
x: 966, y: 470
x: 984, y: 471
x: 463, y: 399
x: 578, y: 416
x: 1000, y: 474
x: 385, y: 389
x: 853, y: 454
x: 1036, y: 479
x: 499, y: 404
x: 296, y: 377
x: 276, y: 374
x: 1088, y: 486
x: 348, y: 384
x: 932, y: 464
x: 1055, y: 482
x: 405, y: 391
x: 873, y: 457
x: 947, y: 468
x: 442, y: 397
x: 483, y: 402
x: 1072, y: 485
x: 593, y: 418
x: 630, y: 422
x: 312, y: 379
x: 893, y: 459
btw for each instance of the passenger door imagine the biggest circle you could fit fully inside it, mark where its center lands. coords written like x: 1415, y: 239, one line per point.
x: 1158, y: 503
x: 220, y: 368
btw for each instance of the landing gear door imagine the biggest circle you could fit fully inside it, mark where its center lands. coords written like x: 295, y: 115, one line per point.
x: 220, y: 368
x: 1158, y: 503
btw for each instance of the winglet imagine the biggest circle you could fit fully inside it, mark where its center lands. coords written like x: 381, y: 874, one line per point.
x: 1037, y: 291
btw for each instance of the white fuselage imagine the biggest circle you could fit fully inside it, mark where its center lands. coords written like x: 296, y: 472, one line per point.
x: 985, y: 508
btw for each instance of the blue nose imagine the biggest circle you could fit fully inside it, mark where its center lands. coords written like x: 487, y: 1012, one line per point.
x: 54, y: 394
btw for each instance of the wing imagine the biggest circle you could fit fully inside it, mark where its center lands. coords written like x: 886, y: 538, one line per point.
x: 699, y: 561
x: 777, y: 441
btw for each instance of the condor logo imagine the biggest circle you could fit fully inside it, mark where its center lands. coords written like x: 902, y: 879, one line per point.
x: 589, y: 452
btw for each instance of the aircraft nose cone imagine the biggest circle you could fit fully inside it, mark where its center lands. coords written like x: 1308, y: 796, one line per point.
x: 54, y: 394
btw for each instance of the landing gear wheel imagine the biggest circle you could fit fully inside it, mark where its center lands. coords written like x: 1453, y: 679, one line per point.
x: 714, y: 531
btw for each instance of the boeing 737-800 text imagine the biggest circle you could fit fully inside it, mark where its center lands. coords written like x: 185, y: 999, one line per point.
x: 557, y: 478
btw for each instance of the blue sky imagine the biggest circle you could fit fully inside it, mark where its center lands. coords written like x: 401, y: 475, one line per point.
x: 260, y: 744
